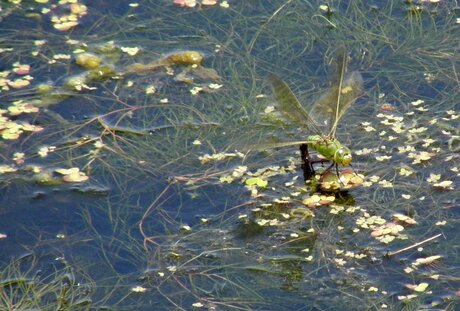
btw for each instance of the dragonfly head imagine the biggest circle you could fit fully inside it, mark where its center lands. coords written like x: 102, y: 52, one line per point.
x: 342, y: 156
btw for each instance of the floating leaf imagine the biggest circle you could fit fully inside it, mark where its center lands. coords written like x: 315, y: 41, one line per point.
x: 256, y: 181
x: 387, y: 232
x: 215, y: 86
x: 318, y: 200
x: 47, y: 179
x: 433, y: 178
x: 239, y: 171
x: 400, y: 218
x: 385, y: 183
x: 31, y: 128
x: 405, y: 172
x: 301, y: 213
x: 72, y: 175
x: 43, y: 151
x: 208, y: 2
x: 417, y: 102
x: 420, y: 157
x: 19, y: 107
x: 11, y: 134
x: 426, y: 261
x: 347, y: 179
x: 7, y: 169
x: 219, y: 157
x: 75, y: 177
x: 418, y: 130
x: 67, y: 171
x: 185, y: 228
x: 226, y: 179
x: 364, y: 151
x: 149, y: 90
x: 197, y: 305
x: 267, y: 222
x: 195, y: 90
x: 131, y: 51
x: 65, y: 25
x: 418, y: 288
x: 186, y: 3
x: 21, y: 69
x: 18, y: 83
x: 88, y: 60
x: 408, y: 297
x: 443, y: 185
x: 19, y: 157
x: 382, y: 158
x: 139, y: 289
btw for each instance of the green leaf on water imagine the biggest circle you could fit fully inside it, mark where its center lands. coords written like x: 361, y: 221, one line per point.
x: 256, y: 181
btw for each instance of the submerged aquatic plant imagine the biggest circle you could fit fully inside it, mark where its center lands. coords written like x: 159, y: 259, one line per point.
x: 24, y: 286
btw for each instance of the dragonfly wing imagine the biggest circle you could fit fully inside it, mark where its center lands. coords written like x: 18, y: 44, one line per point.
x: 352, y: 87
x: 335, y: 101
x: 323, y: 108
x: 271, y: 145
x: 289, y: 106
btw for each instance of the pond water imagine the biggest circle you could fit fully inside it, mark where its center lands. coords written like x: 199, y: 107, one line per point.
x: 128, y: 180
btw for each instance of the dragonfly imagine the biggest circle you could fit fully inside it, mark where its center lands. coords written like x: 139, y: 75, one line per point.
x: 324, y: 115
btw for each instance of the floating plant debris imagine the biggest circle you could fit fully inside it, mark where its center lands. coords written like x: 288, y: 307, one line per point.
x: 418, y: 287
x: 72, y: 175
x: 256, y: 181
x: 347, y: 179
x: 219, y: 156
x: 176, y: 58
x: 425, y: 261
x: 318, y: 200
x: 88, y: 60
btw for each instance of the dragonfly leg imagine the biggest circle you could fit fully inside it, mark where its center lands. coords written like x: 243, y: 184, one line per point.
x: 354, y: 172
x: 338, y: 174
x: 336, y: 171
x: 330, y: 166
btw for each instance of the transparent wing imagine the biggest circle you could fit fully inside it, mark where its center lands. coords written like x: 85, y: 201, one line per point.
x: 289, y: 106
x: 335, y: 101
x: 258, y: 137
x: 271, y: 145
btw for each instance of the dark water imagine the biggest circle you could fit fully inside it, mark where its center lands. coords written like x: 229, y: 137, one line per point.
x: 152, y: 218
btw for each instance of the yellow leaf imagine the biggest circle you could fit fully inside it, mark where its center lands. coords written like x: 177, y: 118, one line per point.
x: 256, y: 181
x: 421, y: 287
x: 75, y: 177
x: 446, y: 184
x: 64, y: 171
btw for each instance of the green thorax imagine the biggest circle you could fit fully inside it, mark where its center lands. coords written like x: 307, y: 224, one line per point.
x: 330, y: 148
x: 323, y: 145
